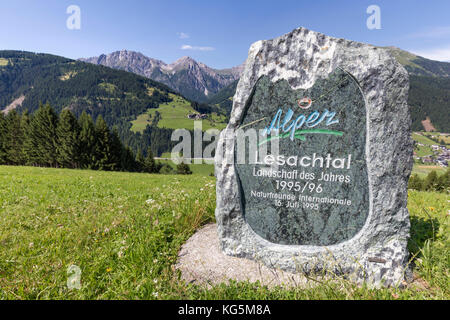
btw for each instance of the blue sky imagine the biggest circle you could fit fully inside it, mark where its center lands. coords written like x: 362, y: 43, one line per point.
x: 217, y: 33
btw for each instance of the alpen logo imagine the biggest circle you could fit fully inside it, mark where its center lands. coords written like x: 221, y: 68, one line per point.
x: 302, y: 125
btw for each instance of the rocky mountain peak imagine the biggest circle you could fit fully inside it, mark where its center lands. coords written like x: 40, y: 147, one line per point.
x: 193, y: 79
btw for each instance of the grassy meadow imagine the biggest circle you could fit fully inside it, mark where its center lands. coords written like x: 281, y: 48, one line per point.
x: 124, y: 230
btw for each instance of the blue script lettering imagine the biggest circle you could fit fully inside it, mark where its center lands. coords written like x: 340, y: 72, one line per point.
x: 314, y: 119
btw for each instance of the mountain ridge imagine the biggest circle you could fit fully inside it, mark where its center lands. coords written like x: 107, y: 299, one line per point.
x: 194, y: 80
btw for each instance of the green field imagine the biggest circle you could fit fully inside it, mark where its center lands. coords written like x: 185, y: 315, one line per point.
x: 422, y: 139
x: 174, y: 116
x: 423, y: 170
x: 423, y: 151
x: 440, y: 136
x: 124, y: 231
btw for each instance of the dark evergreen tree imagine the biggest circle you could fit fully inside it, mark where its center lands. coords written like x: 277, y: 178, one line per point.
x: 14, y: 139
x: 43, y: 137
x: 127, y: 161
x: 68, y: 133
x: 3, y: 133
x: 25, y: 120
x: 29, y: 148
x: 140, y: 160
x: 87, y: 141
x: 150, y: 165
x: 183, y: 168
x: 105, y: 147
x: 116, y: 151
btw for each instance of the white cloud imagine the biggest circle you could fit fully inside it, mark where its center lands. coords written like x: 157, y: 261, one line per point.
x: 182, y: 35
x: 439, y: 54
x: 188, y: 47
x: 436, y: 32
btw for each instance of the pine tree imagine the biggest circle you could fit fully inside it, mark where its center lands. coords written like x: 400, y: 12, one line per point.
x: 68, y: 148
x: 43, y: 136
x: 149, y: 163
x: 87, y: 141
x: 13, y: 139
x: 25, y: 121
x: 116, y: 151
x: 128, y: 162
x: 183, y: 168
x: 140, y: 160
x: 3, y: 133
x: 105, y: 147
x: 29, y: 143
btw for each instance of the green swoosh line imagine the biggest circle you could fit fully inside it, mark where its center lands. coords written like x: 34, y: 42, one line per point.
x: 299, y: 134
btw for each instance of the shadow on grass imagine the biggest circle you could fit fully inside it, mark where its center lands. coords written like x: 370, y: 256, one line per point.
x: 422, y: 230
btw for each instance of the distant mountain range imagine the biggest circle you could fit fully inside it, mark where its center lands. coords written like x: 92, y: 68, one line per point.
x: 194, y: 80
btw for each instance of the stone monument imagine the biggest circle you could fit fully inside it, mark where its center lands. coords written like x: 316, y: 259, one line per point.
x: 324, y: 187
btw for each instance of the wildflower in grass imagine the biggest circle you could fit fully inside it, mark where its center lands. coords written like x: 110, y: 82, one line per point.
x: 108, y: 269
x: 150, y: 201
x: 155, y: 294
x: 431, y: 208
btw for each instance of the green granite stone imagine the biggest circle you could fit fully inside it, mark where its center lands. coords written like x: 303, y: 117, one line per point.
x: 312, y: 218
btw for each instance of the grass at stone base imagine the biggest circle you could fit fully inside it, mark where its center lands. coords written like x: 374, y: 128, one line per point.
x: 124, y: 231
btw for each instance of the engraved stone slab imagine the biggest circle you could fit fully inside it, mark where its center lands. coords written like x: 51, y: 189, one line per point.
x: 347, y: 104
x: 319, y: 193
